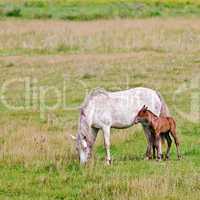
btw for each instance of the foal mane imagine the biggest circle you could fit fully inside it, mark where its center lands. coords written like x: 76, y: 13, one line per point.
x: 152, y: 113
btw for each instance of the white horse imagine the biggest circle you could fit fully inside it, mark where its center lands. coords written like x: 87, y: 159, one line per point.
x: 105, y: 110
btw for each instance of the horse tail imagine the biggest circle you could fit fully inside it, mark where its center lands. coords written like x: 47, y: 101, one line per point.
x: 164, y: 112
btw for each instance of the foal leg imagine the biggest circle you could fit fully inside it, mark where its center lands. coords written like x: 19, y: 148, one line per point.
x: 169, y: 142
x: 158, y: 147
x: 106, y: 133
x: 154, y: 151
x: 173, y: 133
x: 149, y: 142
x: 154, y: 145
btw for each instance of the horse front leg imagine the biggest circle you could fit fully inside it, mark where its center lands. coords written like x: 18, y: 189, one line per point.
x: 106, y: 134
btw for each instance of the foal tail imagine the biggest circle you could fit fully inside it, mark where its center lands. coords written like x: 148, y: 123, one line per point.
x: 173, y: 129
x: 173, y: 134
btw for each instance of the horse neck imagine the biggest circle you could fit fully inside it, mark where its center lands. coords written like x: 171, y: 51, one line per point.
x: 83, y: 125
x: 84, y: 129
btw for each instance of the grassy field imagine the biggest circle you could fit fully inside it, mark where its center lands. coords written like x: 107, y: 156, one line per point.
x: 37, y: 157
x: 98, y: 9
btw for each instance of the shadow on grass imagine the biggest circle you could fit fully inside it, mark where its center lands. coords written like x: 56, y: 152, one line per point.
x: 130, y: 158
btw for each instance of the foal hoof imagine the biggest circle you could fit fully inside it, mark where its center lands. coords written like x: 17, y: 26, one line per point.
x: 167, y: 157
x: 158, y: 159
x: 108, y: 162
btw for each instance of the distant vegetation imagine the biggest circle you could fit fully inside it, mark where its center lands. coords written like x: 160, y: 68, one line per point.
x: 97, y: 9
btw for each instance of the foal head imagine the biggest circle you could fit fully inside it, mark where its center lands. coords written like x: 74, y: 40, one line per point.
x: 143, y: 116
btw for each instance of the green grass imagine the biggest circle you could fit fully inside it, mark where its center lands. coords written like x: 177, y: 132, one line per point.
x: 91, y: 10
x: 129, y: 176
x: 37, y: 157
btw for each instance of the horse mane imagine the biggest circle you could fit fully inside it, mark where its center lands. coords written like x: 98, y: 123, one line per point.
x: 94, y: 92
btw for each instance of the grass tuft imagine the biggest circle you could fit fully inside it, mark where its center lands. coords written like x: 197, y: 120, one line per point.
x: 12, y: 11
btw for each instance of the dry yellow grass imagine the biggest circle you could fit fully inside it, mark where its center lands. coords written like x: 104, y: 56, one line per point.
x: 36, y: 37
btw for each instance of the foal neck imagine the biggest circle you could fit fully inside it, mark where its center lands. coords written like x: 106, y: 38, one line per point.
x: 151, y: 115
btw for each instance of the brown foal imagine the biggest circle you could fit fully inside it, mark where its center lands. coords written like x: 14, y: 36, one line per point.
x: 160, y: 128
